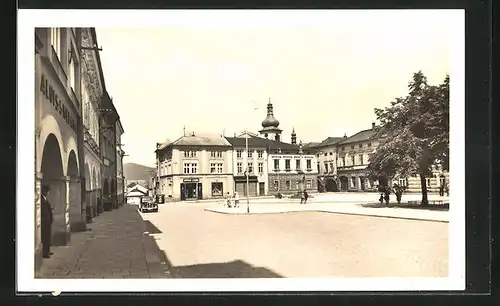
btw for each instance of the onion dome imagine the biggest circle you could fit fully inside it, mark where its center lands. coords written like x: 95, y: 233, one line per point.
x: 270, y: 121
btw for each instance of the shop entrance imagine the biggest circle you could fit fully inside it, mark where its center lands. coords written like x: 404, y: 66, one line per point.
x: 191, y: 191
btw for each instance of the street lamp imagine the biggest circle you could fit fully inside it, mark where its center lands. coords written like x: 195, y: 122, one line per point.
x: 246, y: 172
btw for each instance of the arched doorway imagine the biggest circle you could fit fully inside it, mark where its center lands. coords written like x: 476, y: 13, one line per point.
x: 76, y: 220
x: 331, y: 185
x: 344, y: 183
x: 52, y: 172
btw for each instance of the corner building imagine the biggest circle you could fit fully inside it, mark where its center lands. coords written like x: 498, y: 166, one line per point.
x: 194, y: 167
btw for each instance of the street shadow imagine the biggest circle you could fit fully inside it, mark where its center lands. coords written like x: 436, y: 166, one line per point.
x: 233, y: 269
x: 432, y: 207
x: 151, y: 228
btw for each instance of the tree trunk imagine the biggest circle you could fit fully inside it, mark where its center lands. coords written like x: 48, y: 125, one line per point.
x: 423, y: 184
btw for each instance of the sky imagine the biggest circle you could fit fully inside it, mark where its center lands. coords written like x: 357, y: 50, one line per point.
x: 324, y: 71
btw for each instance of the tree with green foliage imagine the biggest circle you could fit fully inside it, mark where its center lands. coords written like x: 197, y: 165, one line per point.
x: 413, y: 133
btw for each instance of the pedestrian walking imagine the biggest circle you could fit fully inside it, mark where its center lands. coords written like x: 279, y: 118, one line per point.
x: 399, y: 192
x: 305, y: 196
x: 228, y: 200
x: 236, y: 199
x: 302, y: 197
x: 387, y: 192
x: 441, y: 190
x: 46, y: 211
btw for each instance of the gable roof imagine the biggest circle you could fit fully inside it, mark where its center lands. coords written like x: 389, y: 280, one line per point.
x: 138, y: 188
x: 359, y: 136
x: 208, y: 140
x: 271, y: 146
x: 330, y: 141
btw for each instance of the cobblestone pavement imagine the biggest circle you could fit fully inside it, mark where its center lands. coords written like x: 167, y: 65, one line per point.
x: 201, y: 244
x: 114, y: 246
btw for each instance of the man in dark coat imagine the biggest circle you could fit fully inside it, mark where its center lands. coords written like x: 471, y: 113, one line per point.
x: 46, y: 209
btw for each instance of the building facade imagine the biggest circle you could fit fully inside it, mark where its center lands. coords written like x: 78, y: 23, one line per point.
x: 326, y: 152
x: 291, y: 170
x: 353, y: 156
x: 120, y: 177
x: 58, y: 133
x: 92, y: 91
x: 108, y: 154
x: 255, y: 162
x: 194, y: 168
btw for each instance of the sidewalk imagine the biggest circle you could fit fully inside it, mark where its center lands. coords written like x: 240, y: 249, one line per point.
x: 340, y: 208
x: 115, y: 245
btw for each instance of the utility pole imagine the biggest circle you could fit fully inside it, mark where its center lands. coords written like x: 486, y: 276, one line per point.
x: 247, y: 189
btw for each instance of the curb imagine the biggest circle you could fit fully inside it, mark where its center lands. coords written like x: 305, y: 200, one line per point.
x: 332, y: 212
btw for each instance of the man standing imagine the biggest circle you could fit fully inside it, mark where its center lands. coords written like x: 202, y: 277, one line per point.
x: 305, y: 196
x: 46, y: 210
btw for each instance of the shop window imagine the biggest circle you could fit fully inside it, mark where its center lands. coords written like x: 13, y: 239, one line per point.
x: 217, y: 189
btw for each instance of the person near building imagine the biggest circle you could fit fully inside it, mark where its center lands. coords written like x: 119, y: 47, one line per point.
x: 441, y: 190
x: 387, y: 192
x: 399, y: 192
x: 305, y: 196
x: 228, y: 200
x: 46, y: 212
x: 236, y: 199
x: 302, y: 197
x: 447, y: 189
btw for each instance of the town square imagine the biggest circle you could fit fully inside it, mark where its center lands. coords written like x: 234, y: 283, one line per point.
x: 232, y: 149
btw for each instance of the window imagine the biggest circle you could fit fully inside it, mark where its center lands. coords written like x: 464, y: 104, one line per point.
x: 217, y: 190
x: 55, y: 41
x: 240, y: 167
x: 297, y: 164
x: 331, y: 166
x: 353, y: 181
x: 238, y: 153
x: 216, y: 154
x: 186, y: 168
x: 318, y: 167
x: 331, y: 153
x: 260, y: 154
x: 309, y: 184
x: 326, y: 167
x: 276, y: 183
x: 360, y: 145
x: 308, y: 163
x: 189, y: 153
x: 261, y: 168
x: 352, y: 147
x: 353, y: 160
x: 287, y: 164
x: 276, y: 164
x: 369, y: 144
x: 325, y: 154
x: 219, y: 168
x: 361, y: 158
x: 186, y: 153
x: 288, y: 184
x: 428, y: 181
x: 72, y: 68
x: 403, y: 182
x: 297, y: 185
x: 213, y: 167
x: 250, y: 168
x: 343, y: 161
x: 194, y: 168
x: 250, y: 154
x: 343, y: 148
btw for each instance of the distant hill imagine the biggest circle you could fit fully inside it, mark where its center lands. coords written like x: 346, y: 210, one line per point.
x: 133, y: 172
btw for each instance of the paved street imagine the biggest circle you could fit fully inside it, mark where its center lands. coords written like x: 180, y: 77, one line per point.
x: 114, y: 247
x: 200, y: 243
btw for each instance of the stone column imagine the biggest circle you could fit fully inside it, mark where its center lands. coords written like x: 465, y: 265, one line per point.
x: 38, y: 220
x: 77, y: 210
x: 59, y: 200
x: 358, y: 179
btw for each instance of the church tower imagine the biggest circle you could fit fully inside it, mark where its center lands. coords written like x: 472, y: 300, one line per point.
x: 294, y: 136
x: 270, y: 125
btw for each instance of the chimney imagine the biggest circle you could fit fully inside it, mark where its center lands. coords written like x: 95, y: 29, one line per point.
x: 345, y: 135
x: 373, y: 126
